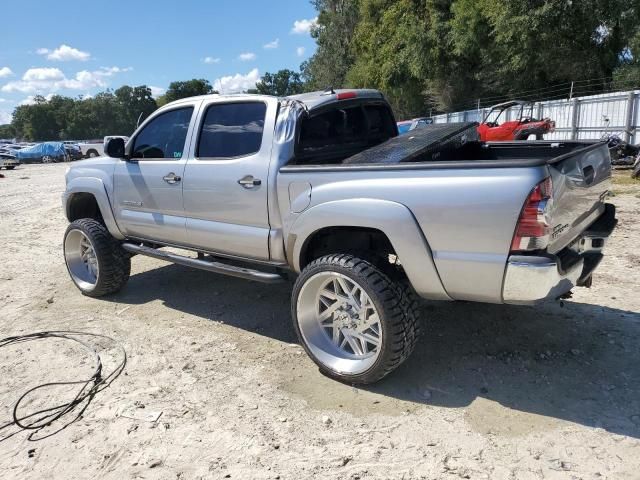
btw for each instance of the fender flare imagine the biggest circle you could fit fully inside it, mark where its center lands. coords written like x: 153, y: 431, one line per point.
x: 95, y: 187
x: 393, y: 219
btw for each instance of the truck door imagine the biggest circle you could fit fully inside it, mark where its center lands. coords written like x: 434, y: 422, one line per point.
x: 148, y: 187
x: 225, y: 183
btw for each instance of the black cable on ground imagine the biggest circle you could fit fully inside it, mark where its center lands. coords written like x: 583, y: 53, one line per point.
x: 40, y: 419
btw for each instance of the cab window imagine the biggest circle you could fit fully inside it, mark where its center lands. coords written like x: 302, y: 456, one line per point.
x: 164, y: 136
x: 232, y: 130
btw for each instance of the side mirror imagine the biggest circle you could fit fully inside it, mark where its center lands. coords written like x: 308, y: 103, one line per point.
x: 114, y: 148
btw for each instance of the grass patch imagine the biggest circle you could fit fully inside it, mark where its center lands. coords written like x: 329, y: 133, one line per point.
x: 624, y: 178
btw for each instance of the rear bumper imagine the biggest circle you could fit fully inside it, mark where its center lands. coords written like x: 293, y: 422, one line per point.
x: 530, y: 279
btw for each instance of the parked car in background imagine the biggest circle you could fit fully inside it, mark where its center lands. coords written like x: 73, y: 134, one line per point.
x: 321, y: 187
x: 521, y: 128
x: 408, y: 125
x: 8, y: 159
x: 73, y: 151
x: 95, y: 148
x: 46, y: 152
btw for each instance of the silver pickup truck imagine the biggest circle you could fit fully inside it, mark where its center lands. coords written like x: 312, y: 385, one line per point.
x: 320, y: 187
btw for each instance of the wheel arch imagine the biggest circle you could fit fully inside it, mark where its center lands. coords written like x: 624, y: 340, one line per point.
x: 384, y: 221
x: 88, y: 196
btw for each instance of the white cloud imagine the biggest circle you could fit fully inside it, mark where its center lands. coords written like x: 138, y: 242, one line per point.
x: 300, y: 51
x: 304, y: 26
x: 237, y: 83
x: 38, y: 80
x: 3, y: 100
x: 247, y: 56
x: 211, y: 60
x: 272, y: 45
x: 156, y: 91
x: 5, y: 117
x: 64, y: 53
x: 5, y: 72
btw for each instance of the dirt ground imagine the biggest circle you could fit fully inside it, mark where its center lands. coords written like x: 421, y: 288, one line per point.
x: 491, y: 392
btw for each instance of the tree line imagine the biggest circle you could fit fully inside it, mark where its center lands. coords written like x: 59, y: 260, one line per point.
x: 117, y: 112
x: 446, y: 54
x: 425, y: 55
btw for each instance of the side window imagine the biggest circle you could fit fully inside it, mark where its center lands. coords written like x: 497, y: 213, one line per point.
x: 164, y: 136
x: 232, y: 130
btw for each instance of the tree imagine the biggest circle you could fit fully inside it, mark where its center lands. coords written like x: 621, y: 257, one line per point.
x: 7, y: 131
x: 184, y: 89
x: 65, y: 118
x: 328, y: 67
x: 282, y: 83
x: 134, y: 103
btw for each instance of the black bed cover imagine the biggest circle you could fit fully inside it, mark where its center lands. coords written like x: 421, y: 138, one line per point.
x: 425, y: 143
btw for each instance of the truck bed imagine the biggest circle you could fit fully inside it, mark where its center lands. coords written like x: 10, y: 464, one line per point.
x: 454, y: 146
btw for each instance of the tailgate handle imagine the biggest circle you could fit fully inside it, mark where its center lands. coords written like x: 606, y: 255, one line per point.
x: 589, y: 174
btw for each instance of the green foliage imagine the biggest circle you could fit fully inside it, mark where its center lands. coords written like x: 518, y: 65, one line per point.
x: 64, y: 118
x: 282, y: 83
x: 7, y: 131
x: 184, y: 89
x: 337, y: 21
x: 445, y: 54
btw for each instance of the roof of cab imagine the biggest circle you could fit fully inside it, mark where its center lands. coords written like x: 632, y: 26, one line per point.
x: 311, y: 100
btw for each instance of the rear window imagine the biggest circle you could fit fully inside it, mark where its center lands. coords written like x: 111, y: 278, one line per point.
x: 232, y: 130
x: 334, y: 135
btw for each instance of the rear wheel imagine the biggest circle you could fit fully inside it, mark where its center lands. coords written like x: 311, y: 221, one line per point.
x: 47, y: 159
x: 92, y: 153
x: 353, y: 321
x: 96, y: 262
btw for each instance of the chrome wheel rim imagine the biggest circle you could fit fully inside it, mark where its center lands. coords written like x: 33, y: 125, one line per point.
x: 339, y: 323
x: 81, y: 259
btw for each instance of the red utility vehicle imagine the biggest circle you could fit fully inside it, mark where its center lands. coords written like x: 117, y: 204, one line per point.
x: 521, y: 128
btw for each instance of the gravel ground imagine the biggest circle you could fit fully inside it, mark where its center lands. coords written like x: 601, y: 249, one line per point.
x: 495, y: 392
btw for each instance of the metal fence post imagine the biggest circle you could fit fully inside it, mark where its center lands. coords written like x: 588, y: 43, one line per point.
x: 628, y: 124
x: 447, y: 117
x: 575, y: 119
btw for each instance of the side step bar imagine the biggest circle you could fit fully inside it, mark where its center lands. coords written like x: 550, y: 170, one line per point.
x: 217, y: 267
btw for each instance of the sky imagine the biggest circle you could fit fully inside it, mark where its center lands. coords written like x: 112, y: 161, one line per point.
x: 80, y: 47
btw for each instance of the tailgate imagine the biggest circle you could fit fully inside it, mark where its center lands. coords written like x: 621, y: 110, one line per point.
x: 581, y: 180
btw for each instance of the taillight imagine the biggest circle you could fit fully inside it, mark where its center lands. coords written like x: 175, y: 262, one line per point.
x: 533, y: 229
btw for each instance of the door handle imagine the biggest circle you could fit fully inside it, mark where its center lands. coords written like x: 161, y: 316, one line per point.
x: 249, y: 182
x: 171, y: 178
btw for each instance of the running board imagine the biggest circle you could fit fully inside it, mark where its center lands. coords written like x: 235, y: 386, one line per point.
x: 216, y: 267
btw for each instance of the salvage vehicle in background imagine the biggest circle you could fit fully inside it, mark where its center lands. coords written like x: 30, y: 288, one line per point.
x: 72, y: 151
x: 521, y: 128
x: 7, y: 159
x: 321, y: 187
x: 46, y: 152
x: 408, y: 125
x: 95, y: 148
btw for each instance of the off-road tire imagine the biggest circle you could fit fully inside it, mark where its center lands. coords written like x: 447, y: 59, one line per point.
x: 113, y: 261
x: 397, y: 307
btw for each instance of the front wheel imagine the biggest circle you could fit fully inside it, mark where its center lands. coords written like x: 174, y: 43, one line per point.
x: 354, y: 322
x: 96, y: 262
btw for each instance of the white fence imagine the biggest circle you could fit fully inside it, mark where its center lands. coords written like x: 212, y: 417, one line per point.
x: 581, y: 118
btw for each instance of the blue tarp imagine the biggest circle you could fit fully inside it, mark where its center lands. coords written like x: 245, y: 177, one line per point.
x: 53, y: 149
